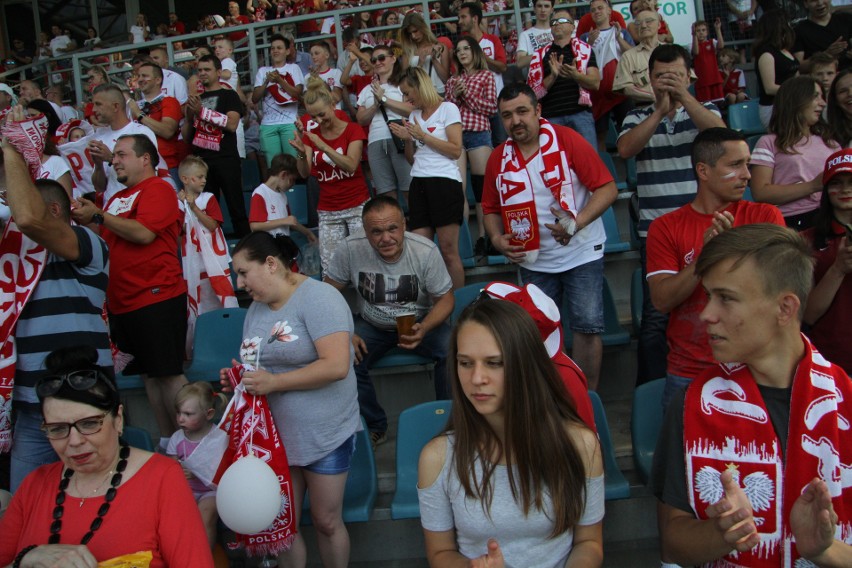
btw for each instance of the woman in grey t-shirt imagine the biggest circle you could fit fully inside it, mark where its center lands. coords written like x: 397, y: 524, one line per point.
x: 298, y: 334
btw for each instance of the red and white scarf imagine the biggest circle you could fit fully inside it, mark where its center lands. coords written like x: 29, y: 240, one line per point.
x: 205, y: 259
x: 22, y: 261
x: 252, y: 431
x: 727, y: 426
x: 547, y: 168
x: 209, y: 126
x: 582, y: 54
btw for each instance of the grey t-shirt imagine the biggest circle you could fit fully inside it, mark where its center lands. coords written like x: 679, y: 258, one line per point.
x: 311, y: 423
x: 387, y: 289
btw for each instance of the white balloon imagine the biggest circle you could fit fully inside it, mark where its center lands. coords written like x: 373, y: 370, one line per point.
x: 248, y: 497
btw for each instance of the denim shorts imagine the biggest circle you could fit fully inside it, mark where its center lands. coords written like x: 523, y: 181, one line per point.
x: 472, y: 140
x: 578, y: 291
x: 338, y: 461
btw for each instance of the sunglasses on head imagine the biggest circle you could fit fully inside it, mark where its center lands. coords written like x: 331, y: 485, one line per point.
x: 77, y: 380
x: 378, y: 59
x: 557, y: 21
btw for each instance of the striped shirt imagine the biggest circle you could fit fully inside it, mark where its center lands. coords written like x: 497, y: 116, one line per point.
x: 64, y: 310
x: 665, y: 177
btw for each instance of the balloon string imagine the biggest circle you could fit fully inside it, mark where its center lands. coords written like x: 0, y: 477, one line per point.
x: 253, y: 402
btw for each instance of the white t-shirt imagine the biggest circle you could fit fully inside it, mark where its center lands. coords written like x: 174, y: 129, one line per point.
x: 53, y: 168
x: 67, y: 113
x: 489, y: 50
x: 433, y: 74
x: 428, y: 162
x: 269, y: 205
x: 533, y: 39
x: 274, y: 113
x: 378, y: 128
x: 109, y: 136
x: 138, y: 33
x: 332, y: 79
x: 229, y: 64
x: 57, y: 43
x: 174, y: 85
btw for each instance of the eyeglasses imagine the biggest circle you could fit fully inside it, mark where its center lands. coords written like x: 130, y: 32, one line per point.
x: 557, y: 21
x: 378, y: 59
x: 86, y: 426
x: 461, y: 48
x: 77, y: 380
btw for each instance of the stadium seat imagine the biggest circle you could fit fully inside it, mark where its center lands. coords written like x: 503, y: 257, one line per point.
x: 620, y: 184
x: 128, y: 382
x: 464, y: 296
x: 613, y: 238
x: 297, y: 200
x: 138, y: 438
x: 362, y: 484
x: 745, y: 118
x: 616, y: 484
x: 218, y: 335
x: 251, y: 175
x: 611, y: 137
x: 417, y: 425
x: 645, y: 423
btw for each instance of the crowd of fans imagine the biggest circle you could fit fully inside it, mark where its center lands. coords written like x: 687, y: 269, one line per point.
x: 394, y: 138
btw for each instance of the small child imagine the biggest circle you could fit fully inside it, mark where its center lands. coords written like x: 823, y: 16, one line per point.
x: 734, y: 87
x: 320, y: 55
x: 205, y: 252
x: 708, y: 87
x: 224, y: 50
x: 269, y: 210
x: 199, y: 447
x: 822, y: 66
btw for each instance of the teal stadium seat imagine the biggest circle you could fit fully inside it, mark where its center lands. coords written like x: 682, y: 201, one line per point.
x: 464, y: 296
x: 620, y: 184
x: 218, y: 335
x: 128, y: 382
x: 744, y: 117
x: 417, y: 425
x: 613, y: 242
x: 645, y: 424
x: 362, y: 485
x: 616, y: 484
x: 297, y: 200
x: 138, y: 438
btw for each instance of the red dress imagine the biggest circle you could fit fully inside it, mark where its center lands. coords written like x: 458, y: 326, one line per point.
x: 709, y: 85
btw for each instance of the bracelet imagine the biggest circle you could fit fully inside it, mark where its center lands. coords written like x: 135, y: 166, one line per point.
x: 140, y: 117
x: 20, y: 557
x: 301, y: 156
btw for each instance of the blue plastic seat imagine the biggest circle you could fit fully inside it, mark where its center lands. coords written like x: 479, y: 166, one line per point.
x: 466, y: 247
x: 362, y: 484
x: 752, y: 141
x: 613, y: 242
x: 464, y: 296
x: 745, y: 117
x: 620, y: 184
x: 251, y: 175
x: 632, y: 176
x: 297, y: 200
x: 646, y: 420
x: 138, y: 438
x: 399, y: 357
x: 614, y: 333
x: 218, y: 335
x: 611, y: 137
x: 128, y: 382
x: 616, y: 484
x: 417, y: 425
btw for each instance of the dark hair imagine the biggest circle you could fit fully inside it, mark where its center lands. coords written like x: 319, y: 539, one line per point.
x: 380, y: 202
x: 260, y: 245
x: 476, y: 53
x: 322, y: 45
x: 211, y: 59
x: 840, y: 124
x: 514, y: 90
x: 536, y: 410
x: 283, y: 163
x: 474, y: 8
x: 44, y: 106
x: 818, y: 58
x: 279, y: 37
x: 394, y: 49
x: 709, y: 145
x: 669, y: 53
x: 53, y: 192
x: 158, y: 71
x: 102, y: 395
x: 141, y: 58
x: 787, y: 122
x: 773, y: 30
x: 143, y: 145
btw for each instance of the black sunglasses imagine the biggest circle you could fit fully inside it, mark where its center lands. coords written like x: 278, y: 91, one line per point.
x: 77, y: 380
x: 378, y: 58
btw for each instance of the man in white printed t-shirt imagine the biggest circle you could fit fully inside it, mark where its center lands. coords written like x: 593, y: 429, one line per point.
x: 280, y: 88
x: 536, y: 37
x: 110, y: 109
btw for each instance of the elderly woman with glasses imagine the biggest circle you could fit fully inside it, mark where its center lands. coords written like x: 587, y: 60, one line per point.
x: 103, y: 499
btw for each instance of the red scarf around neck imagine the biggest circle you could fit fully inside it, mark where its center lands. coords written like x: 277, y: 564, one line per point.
x: 727, y: 426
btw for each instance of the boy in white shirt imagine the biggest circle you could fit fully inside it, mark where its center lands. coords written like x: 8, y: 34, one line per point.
x: 269, y: 210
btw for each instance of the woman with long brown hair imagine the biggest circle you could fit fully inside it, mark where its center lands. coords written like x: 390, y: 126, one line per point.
x: 787, y: 163
x: 422, y: 49
x: 516, y: 476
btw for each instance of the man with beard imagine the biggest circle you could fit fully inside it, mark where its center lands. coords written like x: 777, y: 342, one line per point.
x: 146, y: 295
x: 211, y: 124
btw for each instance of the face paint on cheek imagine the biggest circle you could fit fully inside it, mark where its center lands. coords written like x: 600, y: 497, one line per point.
x: 729, y: 175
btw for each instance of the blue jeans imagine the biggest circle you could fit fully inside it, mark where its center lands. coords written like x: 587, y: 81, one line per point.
x: 338, y: 461
x: 379, y: 342
x: 30, y: 448
x: 581, y: 288
x: 674, y: 383
x: 583, y: 122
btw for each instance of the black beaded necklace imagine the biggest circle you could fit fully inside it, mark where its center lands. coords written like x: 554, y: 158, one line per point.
x: 59, y: 510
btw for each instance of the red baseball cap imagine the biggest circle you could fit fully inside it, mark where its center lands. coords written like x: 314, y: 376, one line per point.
x: 838, y: 163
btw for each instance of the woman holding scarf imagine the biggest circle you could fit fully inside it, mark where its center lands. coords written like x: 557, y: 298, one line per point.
x: 297, y: 334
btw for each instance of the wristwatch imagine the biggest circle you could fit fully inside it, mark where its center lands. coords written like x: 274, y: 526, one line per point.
x: 98, y: 219
x: 140, y: 117
x: 384, y: 99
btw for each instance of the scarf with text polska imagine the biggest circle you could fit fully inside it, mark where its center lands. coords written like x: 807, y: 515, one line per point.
x: 22, y: 262
x: 727, y: 426
x: 516, y: 183
x: 535, y: 78
x: 251, y: 430
x: 205, y: 262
